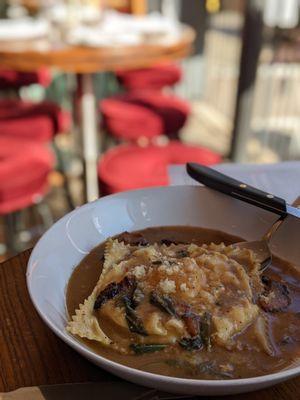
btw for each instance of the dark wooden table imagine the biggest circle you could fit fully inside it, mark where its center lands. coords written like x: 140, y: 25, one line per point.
x: 31, y: 355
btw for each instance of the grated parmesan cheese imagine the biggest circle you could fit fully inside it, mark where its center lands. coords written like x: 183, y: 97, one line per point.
x: 139, y: 271
x: 183, y: 287
x: 169, y: 269
x: 167, y: 286
x: 175, y: 324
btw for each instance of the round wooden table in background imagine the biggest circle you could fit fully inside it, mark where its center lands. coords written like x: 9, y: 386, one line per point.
x: 84, y: 61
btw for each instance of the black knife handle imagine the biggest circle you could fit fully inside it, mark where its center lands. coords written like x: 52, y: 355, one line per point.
x: 223, y: 183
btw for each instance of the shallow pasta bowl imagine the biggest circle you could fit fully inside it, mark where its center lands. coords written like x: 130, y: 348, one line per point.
x: 64, y: 245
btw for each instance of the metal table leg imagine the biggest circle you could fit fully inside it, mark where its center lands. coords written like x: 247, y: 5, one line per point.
x: 89, y: 136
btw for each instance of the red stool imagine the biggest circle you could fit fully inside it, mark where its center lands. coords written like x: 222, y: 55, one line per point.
x: 10, y: 79
x: 172, y: 110
x: 12, y: 111
x: 38, y: 129
x: 156, y: 77
x: 24, y: 168
x: 38, y: 122
x: 130, y: 123
x: 130, y: 167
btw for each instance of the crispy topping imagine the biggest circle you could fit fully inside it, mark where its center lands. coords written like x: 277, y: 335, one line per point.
x: 275, y: 297
x: 168, y: 242
x: 114, y: 289
x: 134, y: 239
x: 192, y: 322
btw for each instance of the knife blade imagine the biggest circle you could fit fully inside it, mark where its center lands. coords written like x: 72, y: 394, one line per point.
x: 294, y: 211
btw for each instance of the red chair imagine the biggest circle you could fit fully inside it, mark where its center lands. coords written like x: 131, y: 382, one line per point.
x: 38, y: 122
x: 130, y: 167
x: 37, y: 129
x: 24, y: 168
x: 17, y: 113
x: 10, y: 79
x: 130, y: 123
x: 157, y: 77
x: 172, y: 110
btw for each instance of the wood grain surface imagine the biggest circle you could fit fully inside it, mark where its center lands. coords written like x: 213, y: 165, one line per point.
x: 30, y: 354
x: 31, y: 55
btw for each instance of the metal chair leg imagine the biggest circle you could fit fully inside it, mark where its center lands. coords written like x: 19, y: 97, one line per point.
x: 61, y: 169
x: 22, y: 228
x: 46, y: 215
x: 10, y: 233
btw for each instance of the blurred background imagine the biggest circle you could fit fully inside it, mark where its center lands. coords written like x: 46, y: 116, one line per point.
x: 100, y: 96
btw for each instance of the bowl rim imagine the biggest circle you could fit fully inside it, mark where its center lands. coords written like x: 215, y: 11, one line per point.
x: 73, y: 342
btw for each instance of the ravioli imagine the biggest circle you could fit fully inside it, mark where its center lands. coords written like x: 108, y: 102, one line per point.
x: 204, y: 310
x: 169, y: 294
x: 84, y: 323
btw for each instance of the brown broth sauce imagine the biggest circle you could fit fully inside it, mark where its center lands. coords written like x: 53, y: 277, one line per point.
x: 284, y: 327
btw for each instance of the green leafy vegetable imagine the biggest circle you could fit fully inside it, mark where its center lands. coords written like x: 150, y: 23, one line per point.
x: 165, y: 303
x: 135, y: 324
x: 193, y: 343
x: 199, y: 327
x: 196, y: 368
x: 147, y: 348
x: 209, y: 368
x: 182, y: 253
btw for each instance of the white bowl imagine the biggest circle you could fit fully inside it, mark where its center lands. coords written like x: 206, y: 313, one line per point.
x: 70, y: 239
